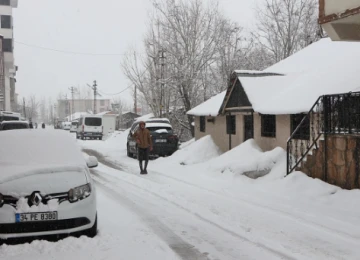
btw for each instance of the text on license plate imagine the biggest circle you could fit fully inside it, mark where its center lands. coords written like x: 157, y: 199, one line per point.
x: 36, y: 216
x: 160, y: 140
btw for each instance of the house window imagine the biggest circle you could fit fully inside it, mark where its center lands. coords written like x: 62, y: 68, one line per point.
x: 202, y: 124
x: 6, y: 21
x: 304, y: 130
x: 268, y: 125
x: 4, y: 2
x: 7, y: 45
x: 231, y: 125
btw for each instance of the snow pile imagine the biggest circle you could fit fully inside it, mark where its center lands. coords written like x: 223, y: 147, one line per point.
x: 247, y: 158
x: 196, y: 152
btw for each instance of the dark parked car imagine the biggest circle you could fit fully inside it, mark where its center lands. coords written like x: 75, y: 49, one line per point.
x: 13, y: 125
x: 165, y: 142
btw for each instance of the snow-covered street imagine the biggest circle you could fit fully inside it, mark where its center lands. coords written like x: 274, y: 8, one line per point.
x: 190, y: 206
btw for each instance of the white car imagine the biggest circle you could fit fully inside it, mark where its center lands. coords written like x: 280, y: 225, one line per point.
x: 45, y: 186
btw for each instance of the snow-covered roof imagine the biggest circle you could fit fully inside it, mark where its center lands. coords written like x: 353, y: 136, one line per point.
x: 24, y: 152
x: 76, y: 115
x: 324, y: 67
x: 106, y: 113
x: 210, y: 107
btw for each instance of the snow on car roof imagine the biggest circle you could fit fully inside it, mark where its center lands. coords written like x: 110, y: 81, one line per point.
x: 28, y: 151
x: 210, y: 107
x: 158, y: 125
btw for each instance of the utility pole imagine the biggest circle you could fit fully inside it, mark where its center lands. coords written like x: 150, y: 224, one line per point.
x: 72, y: 89
x: 94, y: 87
x: 24, y: 108
x: 162, y: 79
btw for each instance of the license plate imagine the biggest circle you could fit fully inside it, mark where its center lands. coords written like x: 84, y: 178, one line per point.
x: 36, y: 216
x: 160, y: 140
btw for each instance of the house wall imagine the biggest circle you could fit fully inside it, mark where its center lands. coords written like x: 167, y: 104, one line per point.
x: 282, y: 133
x: 217, y: 130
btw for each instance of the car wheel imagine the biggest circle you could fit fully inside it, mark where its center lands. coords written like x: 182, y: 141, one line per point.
x: 82, y: 137
x: 100, y: 138
x: 129, y: 154
x: 93, y: 230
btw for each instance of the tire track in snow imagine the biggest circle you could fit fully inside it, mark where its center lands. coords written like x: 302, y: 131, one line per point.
x: 280, y: 255
x: 177, y: 244
x: 249, y: 203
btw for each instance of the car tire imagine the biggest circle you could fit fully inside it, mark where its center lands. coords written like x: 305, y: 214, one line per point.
x: 92, y: 232
x: 82, y: 137
x: 129, y: 154
x: 100, y: 138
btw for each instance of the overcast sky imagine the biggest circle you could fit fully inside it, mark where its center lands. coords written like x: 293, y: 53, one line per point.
x: 85, y: 26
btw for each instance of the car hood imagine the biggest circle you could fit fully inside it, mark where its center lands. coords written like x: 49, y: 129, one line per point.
x: 46, y: 180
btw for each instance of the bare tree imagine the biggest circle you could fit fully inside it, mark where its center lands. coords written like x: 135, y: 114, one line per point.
x: 32, y: 107
x: 286, y: 26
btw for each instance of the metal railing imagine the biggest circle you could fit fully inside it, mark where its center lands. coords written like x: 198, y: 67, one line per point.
x: 331, y: 114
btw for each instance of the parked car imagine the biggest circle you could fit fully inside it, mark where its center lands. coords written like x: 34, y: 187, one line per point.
x: 67, y: 125
x: 13, y: 125
x: 74, y: 125
x: 45, y: 186
x: 90, y: 126
x: 165, y: 142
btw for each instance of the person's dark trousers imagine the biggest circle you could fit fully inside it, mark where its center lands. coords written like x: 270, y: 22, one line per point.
x: 143, y: 155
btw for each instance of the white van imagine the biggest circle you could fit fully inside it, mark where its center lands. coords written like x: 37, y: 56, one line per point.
x: 74, y: 125
x: 67, y: 125
x: 90, y: 126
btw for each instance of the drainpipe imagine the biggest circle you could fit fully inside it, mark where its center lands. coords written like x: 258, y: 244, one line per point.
x: 229, y: 134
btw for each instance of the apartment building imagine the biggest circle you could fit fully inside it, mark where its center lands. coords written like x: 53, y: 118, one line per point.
x: 65, y: 106
x: 8, y: 68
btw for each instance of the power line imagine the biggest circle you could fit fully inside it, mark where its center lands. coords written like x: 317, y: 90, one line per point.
x: 68, y: 52
x: 114, y: 94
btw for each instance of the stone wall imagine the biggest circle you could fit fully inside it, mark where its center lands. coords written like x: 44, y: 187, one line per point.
x: 342, y: 161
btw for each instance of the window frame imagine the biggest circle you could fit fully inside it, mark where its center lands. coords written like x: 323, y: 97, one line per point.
x: 202, y: 124
x: 6, y: 21
x: 294, y: 122
x: 6, y: 47
x: 265, y: 131
x: 5, y: 2
x: 231, y: 124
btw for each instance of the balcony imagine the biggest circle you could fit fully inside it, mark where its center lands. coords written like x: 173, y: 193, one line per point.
x: 340, y: 19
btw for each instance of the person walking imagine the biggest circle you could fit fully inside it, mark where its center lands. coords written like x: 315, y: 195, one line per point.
x: 144, y: 143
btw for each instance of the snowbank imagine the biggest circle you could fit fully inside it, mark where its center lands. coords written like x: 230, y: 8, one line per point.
x: 196, y: 152
x: 247, y: 157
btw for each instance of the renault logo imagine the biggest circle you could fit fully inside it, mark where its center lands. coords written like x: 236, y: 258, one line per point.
x: 35, y: 198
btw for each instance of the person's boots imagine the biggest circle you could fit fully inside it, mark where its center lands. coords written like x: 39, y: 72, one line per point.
x: 146, y: 164
x: 141, y: 167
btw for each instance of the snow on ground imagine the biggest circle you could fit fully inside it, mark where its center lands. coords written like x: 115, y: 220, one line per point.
x: 121, y: 235
x: 208, y: 209
x: 303, y: 218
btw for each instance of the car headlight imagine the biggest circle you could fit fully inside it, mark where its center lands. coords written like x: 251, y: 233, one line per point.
x: 1, y: 200
x: 80, y: 193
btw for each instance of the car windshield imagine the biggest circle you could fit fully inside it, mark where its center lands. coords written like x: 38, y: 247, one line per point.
x: 93, y: 121
x: 74, y: 123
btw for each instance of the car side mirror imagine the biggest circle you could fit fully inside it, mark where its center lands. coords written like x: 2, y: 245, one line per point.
x: 92, y: 162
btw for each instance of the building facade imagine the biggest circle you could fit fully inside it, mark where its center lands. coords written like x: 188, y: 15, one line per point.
x: 6, y: 30
x: 340, y: 19
x: 67, y: 107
